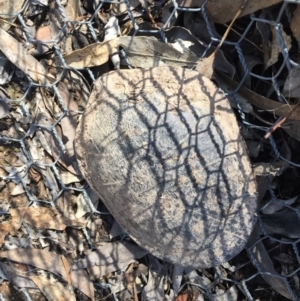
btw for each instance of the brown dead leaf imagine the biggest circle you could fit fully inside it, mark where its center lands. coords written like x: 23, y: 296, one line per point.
x: 260, y: 258
x: 43, y: 33
x: 293, y: 129
x: 295, y: 23
x: 68, y: 178
x: 67, y: 268
x: 4, y: 106
x: 52, y: 219
x: 224, y: 11
x: 110, y: 257
x: 53, y: 289
x: 184, y: 297
x: 93, y: 55
x: 82, y: 281
x: 291, y: 86
x: 177, y: 276
x: 130, y: 281
x: 69, y: 121
x: 190, y: 3
x: 146, y: 52
x: 35, y: 175
x: 276, y: 204
x: 73, y: 10
x: 111, y: 253
x: 9, y: 10
x: 49, y: 141
x: 261, y: 102
x: 205, y: 66
x: 284, y: 222
x: 9, y: 227
x: 42, y: 259
x: 20, y: 57
x: 275, y: 46
x: 120, y: 8
x: 15, y: 276
x: 141, y: 52
x: 154, y: 290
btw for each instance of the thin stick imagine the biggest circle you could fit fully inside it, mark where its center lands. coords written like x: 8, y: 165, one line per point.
x: 11, y: 24
x: 230, y: 25
x: 279, y: 122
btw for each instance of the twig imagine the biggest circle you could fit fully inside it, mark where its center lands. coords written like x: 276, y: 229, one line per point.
x: 230, y: 25
x: 253, y: 44
x: 280, y: 121
x: 11, y: 24
x: 205, y: 66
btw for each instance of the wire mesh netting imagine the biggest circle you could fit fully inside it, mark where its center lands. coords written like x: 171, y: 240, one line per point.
x: 45, y: 89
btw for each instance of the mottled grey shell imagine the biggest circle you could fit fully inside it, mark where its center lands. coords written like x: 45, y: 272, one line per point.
x: 162, y: 148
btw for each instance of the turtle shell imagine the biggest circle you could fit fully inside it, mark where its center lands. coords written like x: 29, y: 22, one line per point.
x: 162, y: 149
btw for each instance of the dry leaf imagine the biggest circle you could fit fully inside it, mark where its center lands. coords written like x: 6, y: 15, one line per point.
x: 115, y: 230
x: 52, y: 219
x: 190, y: 3
x: 18, y: 189
x: 68, y: 178
x: 295, y: 23
x: 279, y: 109
x: 224, y: 11
x: 229, y: 295
x: 141, y: 52
x: 112, y: 29
x: 50, y: 143
x: 82, y: 281
x: 8, y: 227
x: 69, y: 121
x: 292, y: 128
x: 196, y: 24
x: 205, y: 66
x: 260, y: 258
x: 292, y: 84
x: 183, y: 297
x: 15, y: 276
x: 9, y: 10
x: 92, y: 55
x: 20, y: 57
x: 154, y: 290
x: 285, y: 222
x: 265, y: 30
x: 120, y: 8
x: 82, y: 206
x: 110, y: 257
x: 73, y: 10
x: 42, y: 259
x: 220, y: 63
x: 53, y: 289
x: 275, y: 46
x: 43, y: 33
x: 276, y: 205
x: 190, y: 296
x: 177, y: 278
x: 4, y: 107
x: 168, y: 16
x: 251, y: 62
x: 146, y: 52
x: 111, y: 253
x: 56, y: 19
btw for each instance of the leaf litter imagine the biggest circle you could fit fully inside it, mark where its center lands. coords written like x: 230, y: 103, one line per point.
x: 67, y: 247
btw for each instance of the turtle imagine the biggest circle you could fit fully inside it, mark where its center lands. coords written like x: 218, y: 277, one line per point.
x: 162, y: 149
